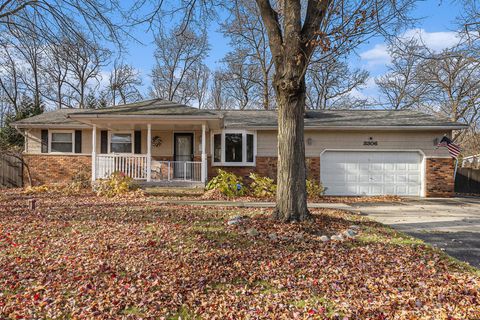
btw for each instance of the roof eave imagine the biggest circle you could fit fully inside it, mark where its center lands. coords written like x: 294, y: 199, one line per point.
x: 142, y: 117
x: 381, y: 128
x: 50, y: 125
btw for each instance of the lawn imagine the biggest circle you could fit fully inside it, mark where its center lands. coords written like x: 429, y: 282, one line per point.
x: 89, y: 257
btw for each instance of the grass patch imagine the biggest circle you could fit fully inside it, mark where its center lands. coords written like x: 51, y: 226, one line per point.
x: 133, y: 311
x: 184, y: 314
x: 319, y: 304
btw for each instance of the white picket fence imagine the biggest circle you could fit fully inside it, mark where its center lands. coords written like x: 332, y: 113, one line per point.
x: 136, y: 167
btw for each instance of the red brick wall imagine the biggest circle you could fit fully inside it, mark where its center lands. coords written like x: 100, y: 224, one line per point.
x: 47, y: 169
x: 439, y: 177
x: 266, y: 166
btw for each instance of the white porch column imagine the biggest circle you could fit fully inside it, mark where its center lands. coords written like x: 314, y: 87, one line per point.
x: 204, y: 154
x: 94, y: 152
x: 149, y: 152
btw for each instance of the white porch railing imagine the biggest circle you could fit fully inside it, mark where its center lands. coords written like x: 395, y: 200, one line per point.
x: 134, y: 166
x: 176, y: 170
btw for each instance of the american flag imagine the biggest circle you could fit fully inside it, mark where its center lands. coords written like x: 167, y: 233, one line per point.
x: 452, y: 147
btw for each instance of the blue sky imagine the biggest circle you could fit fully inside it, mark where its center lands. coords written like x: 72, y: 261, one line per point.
x: 436, y: 28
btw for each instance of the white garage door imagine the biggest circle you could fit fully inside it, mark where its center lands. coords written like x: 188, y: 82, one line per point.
x: 371, y: 173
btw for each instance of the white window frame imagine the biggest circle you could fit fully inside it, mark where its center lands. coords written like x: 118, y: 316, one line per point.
x: 132, y: 137
x: 244, y: 162
x: 50, y: 132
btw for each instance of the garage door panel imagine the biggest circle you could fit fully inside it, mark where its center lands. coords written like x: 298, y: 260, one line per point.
x: 389, y: 178
x: 371, y: 173
x: 363, y: 166
x: 351, y: 178
x: 389, y: 166
x: 413, y: 166
x: 389, y: 189
x: 375, y: 189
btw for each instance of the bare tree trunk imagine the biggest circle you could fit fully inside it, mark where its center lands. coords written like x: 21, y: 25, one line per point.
x: 266, y: 96
x: 291, y: 175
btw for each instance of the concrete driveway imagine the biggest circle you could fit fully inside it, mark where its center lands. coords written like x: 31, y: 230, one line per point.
x: 452, y: 224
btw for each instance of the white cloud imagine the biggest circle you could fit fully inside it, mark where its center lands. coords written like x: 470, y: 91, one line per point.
x: 367, y: 91
x: 435, y: 41
x: 376, y: 56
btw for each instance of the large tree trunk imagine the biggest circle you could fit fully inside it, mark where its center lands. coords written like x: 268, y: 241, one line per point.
x: 291, y: 193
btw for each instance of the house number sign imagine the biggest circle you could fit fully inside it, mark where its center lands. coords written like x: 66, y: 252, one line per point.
x: 370, y: 142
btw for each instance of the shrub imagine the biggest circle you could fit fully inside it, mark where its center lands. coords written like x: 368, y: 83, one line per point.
x: 262, y: 186
x: 117, y: 184
x: 227, y: 183
x: 37, y: 189
x: 314, y: 189
x: 80, y: 181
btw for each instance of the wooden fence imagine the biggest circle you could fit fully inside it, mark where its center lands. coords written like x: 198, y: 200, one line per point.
x: 11, y: 172
x: 467, y: 180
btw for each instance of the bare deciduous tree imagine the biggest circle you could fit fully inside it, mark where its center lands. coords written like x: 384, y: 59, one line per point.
x: 177, y: 52
x: 9, y: 75
x: 330, y: 83
x: 250, y: 46
x: 85, y: 59
x: 218, y: 100
x: 57, y: 68
x: 400, y: 87
x: 54, y: 15
x: 123, y: 83
x: 199, y: 79
x: 452, y: 85
x: 241, y: 80
x: 31, y: 50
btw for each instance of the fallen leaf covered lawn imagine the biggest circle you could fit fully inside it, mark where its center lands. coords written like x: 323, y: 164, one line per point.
x: 88, y: 257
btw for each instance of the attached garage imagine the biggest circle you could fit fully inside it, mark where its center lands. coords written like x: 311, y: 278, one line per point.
x: 372, y: 173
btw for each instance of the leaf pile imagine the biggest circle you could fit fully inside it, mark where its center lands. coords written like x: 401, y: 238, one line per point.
x: 89, y: 257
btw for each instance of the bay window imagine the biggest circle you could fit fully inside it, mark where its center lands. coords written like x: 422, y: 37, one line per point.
x: 233, y: 147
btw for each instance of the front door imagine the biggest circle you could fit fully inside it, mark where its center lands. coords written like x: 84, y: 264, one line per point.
x: 183, y: 155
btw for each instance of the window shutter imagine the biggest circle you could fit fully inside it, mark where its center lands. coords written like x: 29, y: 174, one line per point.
x: 78, y: 141
x: 103, y: 141
x: 44, y: 141
x: 138, y: 142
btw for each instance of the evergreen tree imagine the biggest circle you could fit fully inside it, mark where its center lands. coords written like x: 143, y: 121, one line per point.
x: 91, y: 101
x: 9, y: 136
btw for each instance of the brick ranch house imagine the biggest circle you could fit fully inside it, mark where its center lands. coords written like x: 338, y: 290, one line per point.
x: 352, y: 152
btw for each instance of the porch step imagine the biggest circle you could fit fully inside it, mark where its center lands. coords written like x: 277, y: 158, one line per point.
x: 172, y: 184
x: 177, y: 192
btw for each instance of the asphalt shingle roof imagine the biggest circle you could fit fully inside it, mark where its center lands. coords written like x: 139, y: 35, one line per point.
x: 339, y: 118
x: 57, y: 117
x: 249, y: 118
x: 154, y: 107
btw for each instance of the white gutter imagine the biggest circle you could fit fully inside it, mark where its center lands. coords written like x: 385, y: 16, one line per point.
x: 149, y: 117
x: 360, y: 128
x: 47, y: 125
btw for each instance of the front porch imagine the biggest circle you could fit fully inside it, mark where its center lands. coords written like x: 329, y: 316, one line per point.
x: 154, y: 154
x: 146, y: 169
